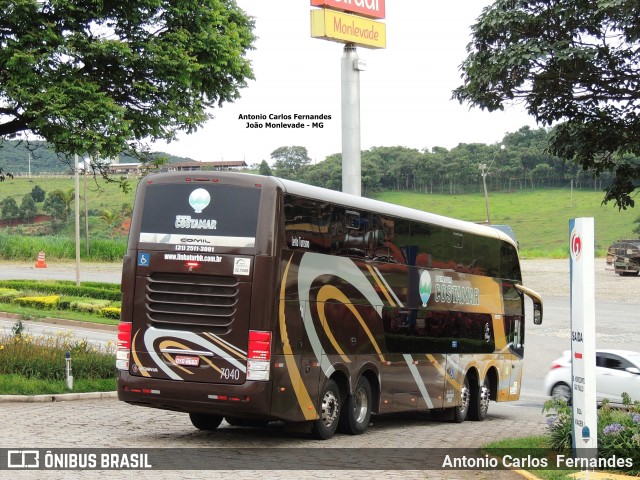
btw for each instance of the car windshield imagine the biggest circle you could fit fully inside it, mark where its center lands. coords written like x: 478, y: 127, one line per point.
x: 635, y: 359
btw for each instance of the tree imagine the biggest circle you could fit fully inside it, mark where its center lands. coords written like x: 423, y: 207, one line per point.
x: 100, y: 78
x: 69, y: 198
x: 56, y: 206
x: 265, y: 169
x: 9, y: 208
x: 37, y: 194
x: 110, y: 219
x: 289, y: 160
x: 573, y: 64
x: 28, y: 208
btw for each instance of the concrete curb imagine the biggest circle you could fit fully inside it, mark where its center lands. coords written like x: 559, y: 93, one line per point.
x: 58, y: 397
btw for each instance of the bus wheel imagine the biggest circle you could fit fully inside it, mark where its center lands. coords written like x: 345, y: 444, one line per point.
x: 461, y: 411
x: 479, y: 407
x: 325, y: 426
x: 202, y: 421
x: 356, y: 413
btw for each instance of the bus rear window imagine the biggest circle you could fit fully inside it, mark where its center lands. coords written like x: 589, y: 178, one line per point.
x: 216, y: 215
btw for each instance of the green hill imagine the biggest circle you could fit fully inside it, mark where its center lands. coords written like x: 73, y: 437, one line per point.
x: 16, y: 157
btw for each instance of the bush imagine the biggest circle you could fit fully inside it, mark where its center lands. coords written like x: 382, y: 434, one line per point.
x: 49, y: 302
x: 82, y: 304
x: 110, y: 312
x: 43, y: 357
x: 618, y: 430
x: 105, y: 291
x: 90, y: 305
x: 8, y: 294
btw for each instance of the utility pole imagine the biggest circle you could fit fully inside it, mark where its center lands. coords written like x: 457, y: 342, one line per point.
x: 484, y: 172
x: 77, y: 189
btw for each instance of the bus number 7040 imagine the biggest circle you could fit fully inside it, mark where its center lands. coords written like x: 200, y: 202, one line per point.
x: 230, y: 373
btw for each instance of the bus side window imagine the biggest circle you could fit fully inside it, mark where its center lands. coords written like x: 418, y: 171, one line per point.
x: 384, y: 244
x: 307, y: 225
x: 510, y: 265
x: 357, y: 239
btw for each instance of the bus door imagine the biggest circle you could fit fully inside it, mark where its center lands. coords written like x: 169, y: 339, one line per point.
x: 296, y: 368
x: 514, y: 332
x: 512, y: 347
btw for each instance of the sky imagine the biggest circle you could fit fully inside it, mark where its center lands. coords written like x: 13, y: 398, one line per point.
x: 405, y: 91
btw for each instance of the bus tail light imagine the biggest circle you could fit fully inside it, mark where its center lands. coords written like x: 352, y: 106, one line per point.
x: 124, y: 346
x: 259, y: 356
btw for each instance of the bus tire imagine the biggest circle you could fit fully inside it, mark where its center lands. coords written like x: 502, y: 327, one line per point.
x: 479, y: 406
x: 203, y: 421
x: 356, y: 412
x: 461, y: 411
x: 329, y: 410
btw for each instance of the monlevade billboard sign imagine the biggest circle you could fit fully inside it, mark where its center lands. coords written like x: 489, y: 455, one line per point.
x: 345, y: 28
x: 366, y: 8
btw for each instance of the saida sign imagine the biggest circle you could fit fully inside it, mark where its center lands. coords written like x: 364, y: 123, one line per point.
x: 355, y: 26
x: 345, y: 28
x: 366, y: 8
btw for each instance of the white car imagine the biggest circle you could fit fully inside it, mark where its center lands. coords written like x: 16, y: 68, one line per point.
x: 617, y: 371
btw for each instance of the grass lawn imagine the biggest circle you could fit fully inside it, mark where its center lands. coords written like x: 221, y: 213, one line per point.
x: 19, y: 385
x: 540, y: 218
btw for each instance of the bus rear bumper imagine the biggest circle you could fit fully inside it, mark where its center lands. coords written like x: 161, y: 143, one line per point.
x: 251, y: 399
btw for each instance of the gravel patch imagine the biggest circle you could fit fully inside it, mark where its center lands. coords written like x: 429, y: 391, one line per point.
x: 552, y: 278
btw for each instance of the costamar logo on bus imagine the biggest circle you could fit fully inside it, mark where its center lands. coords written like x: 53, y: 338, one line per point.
x: 448, y: 292
x: 199, y: 199
x: 185, y: 221
x: 424, y: 287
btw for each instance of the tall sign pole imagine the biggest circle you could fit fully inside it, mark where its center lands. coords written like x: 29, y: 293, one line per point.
x: 583, y: 338
x: 351, y: 153
x: 350, y: 22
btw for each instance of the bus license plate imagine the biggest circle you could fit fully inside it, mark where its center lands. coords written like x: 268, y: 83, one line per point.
x: 187, y: 361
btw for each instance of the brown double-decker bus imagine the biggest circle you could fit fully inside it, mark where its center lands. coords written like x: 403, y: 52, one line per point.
x: 252, y: 298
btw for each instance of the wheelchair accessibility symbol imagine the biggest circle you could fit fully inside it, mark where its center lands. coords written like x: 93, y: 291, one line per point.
x: 144, y: 259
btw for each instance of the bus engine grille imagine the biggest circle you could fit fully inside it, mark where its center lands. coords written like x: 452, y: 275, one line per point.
x: 202, y: 300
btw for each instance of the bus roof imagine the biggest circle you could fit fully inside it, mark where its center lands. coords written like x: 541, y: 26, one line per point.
x: 364, y: 203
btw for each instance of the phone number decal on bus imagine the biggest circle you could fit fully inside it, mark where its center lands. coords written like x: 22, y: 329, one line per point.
x: 195, y: 248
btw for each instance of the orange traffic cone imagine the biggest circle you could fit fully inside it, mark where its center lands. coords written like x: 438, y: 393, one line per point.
x: 40, y: 263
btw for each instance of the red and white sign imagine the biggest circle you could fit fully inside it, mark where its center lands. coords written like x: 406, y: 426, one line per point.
x: 575, y: 245
x: 583, y: 337
x: 366, y: 8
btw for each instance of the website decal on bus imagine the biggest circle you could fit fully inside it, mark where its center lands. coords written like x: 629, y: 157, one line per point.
x: 318, y: 309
